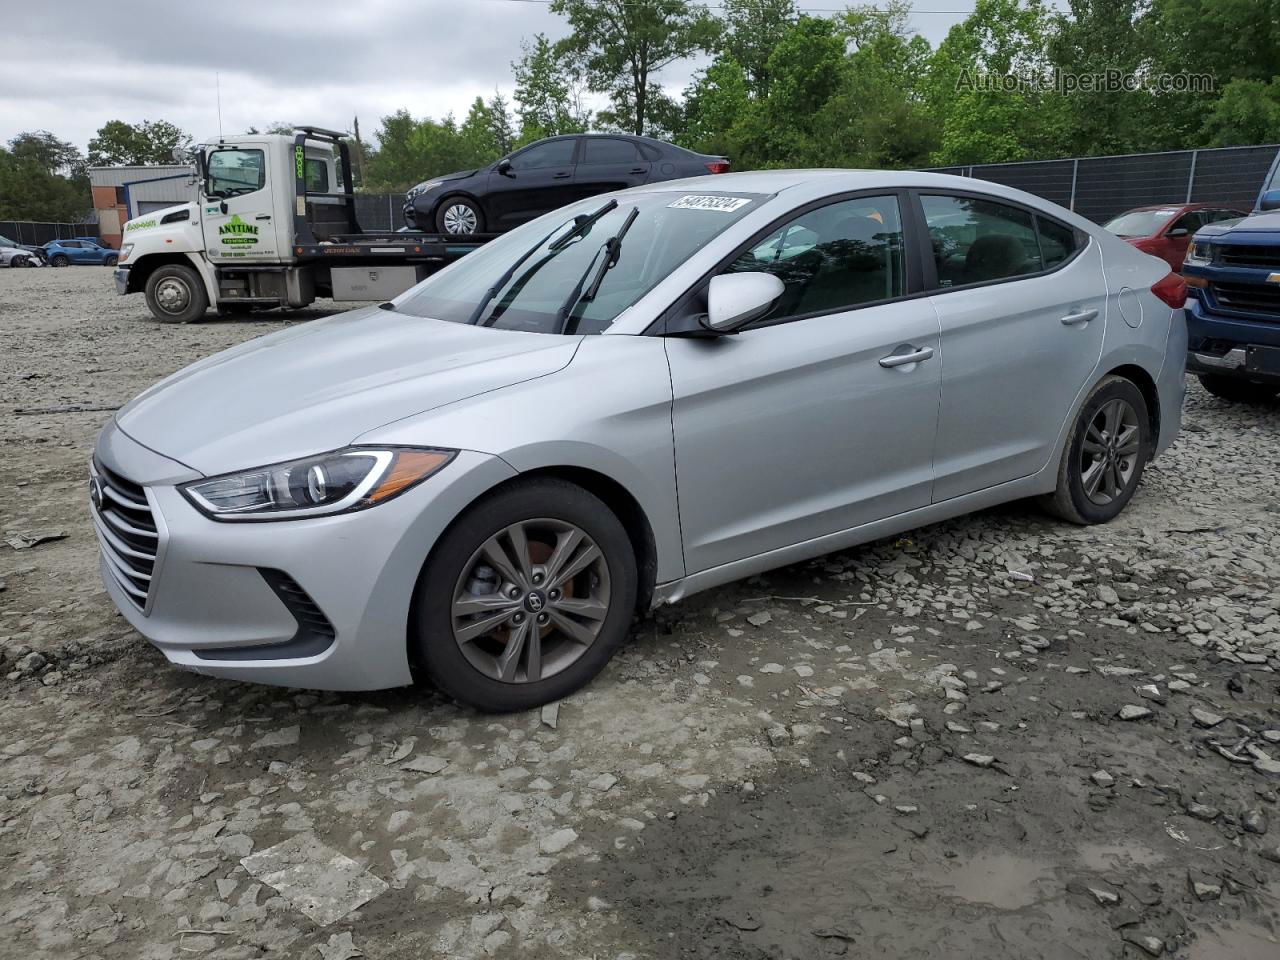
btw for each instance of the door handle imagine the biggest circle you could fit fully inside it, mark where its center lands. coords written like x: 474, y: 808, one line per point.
x: 639, y: 170
x: 1082, y: 316
x: 263, y: 216
x: 561, y: 176
x: 901, y: 359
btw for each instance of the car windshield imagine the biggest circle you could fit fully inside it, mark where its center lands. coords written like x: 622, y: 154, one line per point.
x: 1139, y: 223
x: 539, y: 295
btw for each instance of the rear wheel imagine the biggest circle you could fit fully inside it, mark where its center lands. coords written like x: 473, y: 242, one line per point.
x: 458, y: 215
x: 1238, y: 390
x: 526, y: 597
x: 111, y: 261
x: 60, y: 260
x: 1106, y: 453
x: 176, y: 294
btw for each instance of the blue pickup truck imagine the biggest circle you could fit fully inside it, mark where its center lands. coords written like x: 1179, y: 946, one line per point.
x: 1232, y: 272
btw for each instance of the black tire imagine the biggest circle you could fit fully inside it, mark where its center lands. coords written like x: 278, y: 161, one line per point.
x: 447, y: 204
x: 1069, y: 501
x: 19, y: 261
x: 1238, y: 390
x: 111, y: 261
x: 60, y: 260
x: 432, y: 637
x: 193, y: 302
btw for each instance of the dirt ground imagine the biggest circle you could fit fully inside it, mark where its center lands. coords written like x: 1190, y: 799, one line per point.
x: 996, y: 737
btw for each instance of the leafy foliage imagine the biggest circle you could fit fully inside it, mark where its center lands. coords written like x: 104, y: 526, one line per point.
x: 124, y: 144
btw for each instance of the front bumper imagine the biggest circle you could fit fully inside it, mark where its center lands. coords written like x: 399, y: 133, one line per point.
x: 215, y: 605
x: 121, y: 275
x: 1219, y: 343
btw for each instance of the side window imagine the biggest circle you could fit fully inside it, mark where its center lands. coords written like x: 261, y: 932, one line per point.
x: 833, y: 258
x: 317, y: 176
x: 235, y: 171
x: 975, y: 241
x: 557, y: 153
x: 1057, y: 241
x: 608, y: 150
x: 1190, y: 222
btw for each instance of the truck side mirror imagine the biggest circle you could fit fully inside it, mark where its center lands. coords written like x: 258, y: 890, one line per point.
x: 1269, y: 200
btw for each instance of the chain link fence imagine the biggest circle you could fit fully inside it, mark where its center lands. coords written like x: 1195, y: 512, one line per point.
x: 1102, y: 187
x: 38, y: 233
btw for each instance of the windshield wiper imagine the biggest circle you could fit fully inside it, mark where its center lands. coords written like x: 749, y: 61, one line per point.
x: 582, y: 223
x: 584, y: 291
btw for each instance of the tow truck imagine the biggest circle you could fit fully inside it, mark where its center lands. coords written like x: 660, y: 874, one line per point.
x: 273, y: 224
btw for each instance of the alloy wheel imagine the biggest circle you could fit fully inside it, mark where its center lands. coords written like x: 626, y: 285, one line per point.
x: 531, y: 600
x: 460, y: 218
x: 1109, y: 454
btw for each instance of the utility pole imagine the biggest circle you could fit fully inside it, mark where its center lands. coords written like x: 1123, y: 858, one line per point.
x: 355, y: 124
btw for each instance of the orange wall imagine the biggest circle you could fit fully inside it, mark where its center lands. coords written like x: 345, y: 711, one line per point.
x: 104, y: 199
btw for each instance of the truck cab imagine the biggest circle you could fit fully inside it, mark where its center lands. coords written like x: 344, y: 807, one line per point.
x: 1232, y: 272
x: 271, y: 223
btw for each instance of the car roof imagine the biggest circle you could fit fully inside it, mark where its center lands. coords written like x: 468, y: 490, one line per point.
x: 1184, y: 206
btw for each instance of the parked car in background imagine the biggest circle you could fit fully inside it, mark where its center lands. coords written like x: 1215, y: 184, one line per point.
x: 477, y: 480
x: 63, y: 253
x: 545, y: 175
x: 1165, y: 230
x: 1233, y: 315
x: 14, y: 254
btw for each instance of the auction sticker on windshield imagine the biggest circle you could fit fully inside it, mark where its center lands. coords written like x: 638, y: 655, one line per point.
x: 718, y: 204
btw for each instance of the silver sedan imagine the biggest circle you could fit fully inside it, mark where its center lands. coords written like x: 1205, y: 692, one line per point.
x: 620, y: 404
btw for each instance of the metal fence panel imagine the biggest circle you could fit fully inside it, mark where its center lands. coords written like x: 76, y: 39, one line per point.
x: 1051, y: 179
x: 380, y: 211
x: 1107, y: 186
x: 37, y: 233
x: 1232, y: 177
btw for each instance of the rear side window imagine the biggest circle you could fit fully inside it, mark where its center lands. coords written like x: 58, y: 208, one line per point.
x: 836, y: 257
x: 317, y: 173
x: 557, y: 153
x: 608, y: 150
x: 1057, y: 242
x: 976, y: 241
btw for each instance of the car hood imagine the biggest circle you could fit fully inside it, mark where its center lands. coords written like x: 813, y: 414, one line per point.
x: 318, y: 386
x: 459, y: 175
x: 1256, y: 222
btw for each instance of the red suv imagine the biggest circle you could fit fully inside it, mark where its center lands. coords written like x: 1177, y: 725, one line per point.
x: 1165, y: 230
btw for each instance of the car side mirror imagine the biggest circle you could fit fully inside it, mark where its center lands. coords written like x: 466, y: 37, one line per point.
x: 1269, y: 200
x: 735, y: 299
x: 504, y: 167
x: 1178, y: 232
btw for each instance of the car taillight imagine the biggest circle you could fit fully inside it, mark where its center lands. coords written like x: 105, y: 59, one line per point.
x: 1172, y: 290
x: 718, y: 166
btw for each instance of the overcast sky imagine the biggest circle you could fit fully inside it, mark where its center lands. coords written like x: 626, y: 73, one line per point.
x: 71, y: 66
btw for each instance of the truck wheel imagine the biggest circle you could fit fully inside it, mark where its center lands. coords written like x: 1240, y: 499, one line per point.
x: 1238, y: 390
x: 525, y: 597
x: 175, y: 294
x: 1108, y: 447
x: 458, y: 215
x: 60, y: 260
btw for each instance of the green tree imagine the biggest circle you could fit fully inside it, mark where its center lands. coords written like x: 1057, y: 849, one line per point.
x: 1247, y: 112
x: 752, y: 28
x: 125, y: 144
x: 31, y: 186
x: 548, y: 100
x: 717, y: 105
x: 622, y: 45
x: 53, y: 155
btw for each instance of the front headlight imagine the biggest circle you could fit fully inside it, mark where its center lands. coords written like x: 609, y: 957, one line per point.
x: 422, y: 188
x: 125, y: 251
x: 337, y: 482
x: 1199, y: 253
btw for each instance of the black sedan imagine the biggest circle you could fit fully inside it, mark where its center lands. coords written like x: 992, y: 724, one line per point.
x: 545, y: 175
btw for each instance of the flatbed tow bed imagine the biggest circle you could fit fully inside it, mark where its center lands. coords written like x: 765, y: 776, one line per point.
x: 273, y: 225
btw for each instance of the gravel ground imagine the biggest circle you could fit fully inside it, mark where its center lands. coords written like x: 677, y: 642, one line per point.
x: 995, y: 737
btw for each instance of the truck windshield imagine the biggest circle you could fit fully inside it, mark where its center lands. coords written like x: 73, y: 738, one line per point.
x: 1139, y: 223
x: 665, y: 230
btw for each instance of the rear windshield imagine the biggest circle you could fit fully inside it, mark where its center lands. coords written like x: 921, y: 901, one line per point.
x: 539, y: 295
x: 1139, y: 223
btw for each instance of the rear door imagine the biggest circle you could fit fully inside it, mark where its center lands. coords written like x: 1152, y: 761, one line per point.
x: 811, y: 422
x: 1022, y: 306
x: 236, y: 212
x: 539, y: 179
x: 609, y: 163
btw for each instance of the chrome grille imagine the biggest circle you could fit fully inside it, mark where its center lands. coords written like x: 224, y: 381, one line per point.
x: 126, y: 531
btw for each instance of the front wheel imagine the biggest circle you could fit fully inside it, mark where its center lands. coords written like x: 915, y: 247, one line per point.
x: 1106, y: 453
x: 19, y: 262
x: 459, y: 216
x: 176, y: 294
x: 1237, y: 390
x: 111, y: 261
x: 61, y: 260
x: 525, y: 597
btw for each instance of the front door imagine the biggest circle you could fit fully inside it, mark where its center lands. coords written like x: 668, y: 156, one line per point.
x: 236, y: 207
x: 539, y: 179
x: 609, y: 163
x: 813, y: 421
x: 1023, y: 309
